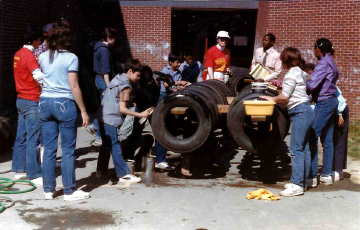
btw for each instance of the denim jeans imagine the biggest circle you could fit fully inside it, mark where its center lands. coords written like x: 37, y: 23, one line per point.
x: 58, y: 115
x: 26, y: 155
x: 323, y: 127
x: 160, y: 151
x: 302, y: 117
x: 101, y: 86
x: 109, y: 136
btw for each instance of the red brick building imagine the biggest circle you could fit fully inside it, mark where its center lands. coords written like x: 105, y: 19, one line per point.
x: 149, y: 30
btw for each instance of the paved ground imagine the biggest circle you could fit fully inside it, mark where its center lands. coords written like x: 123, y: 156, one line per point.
x: 205, y: 201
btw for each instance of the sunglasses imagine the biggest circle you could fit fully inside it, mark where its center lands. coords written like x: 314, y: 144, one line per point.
x: 224, y: 39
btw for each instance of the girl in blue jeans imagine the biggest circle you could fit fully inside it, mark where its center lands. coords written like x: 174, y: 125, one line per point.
x: 58, y: 112
x: 322, y: 88
x: 302, y: 117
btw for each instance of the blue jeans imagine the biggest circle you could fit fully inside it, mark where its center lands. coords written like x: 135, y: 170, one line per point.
x: 109, y: 136
x: 160, y: 151
x: 26, y: 155
x: 101, y: 86
x: 58, y: 115
x: 323, y: 127
x: 302, y: 117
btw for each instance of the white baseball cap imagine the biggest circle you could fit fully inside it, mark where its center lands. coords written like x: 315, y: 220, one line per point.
x: 222, y: 34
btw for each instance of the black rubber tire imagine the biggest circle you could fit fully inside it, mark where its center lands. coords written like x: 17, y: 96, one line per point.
x: 260, y: 140
x: 198, y: 105
x: 237, y: 83
x: 247, y: 91
x: 238, y: 70
x: 223, y: 87
x: 216, y: 89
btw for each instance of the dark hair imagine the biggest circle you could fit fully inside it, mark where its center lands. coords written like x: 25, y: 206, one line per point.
x: 146, y: 76
x: 271, y: 36
x: 190, y: 52
x: 308, y: 66
x: 291, y: 57
x: 60, y: 37
x: 134, y: 65
x: 325, y: 46
x: 174, y: 57
x: 31, y: 34
x: 108, y: 33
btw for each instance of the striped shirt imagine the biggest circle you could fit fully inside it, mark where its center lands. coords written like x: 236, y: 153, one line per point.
x: 294, y: 87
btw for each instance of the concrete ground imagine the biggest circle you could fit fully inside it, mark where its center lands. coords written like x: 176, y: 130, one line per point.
x: 212, y: 200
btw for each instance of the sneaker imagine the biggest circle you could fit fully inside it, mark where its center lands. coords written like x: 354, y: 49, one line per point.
x: 96, y: 143
x: 326, y: 180
x: 130, y: 178
x: 91, y: 129
x: 77, y: 195
x: 338, y: 176
x: 292, y: 190
x: 37, y: 181
x: 312, y: 183
x: 163, y: 166
x: 50, y: 195
x: 20, y: 176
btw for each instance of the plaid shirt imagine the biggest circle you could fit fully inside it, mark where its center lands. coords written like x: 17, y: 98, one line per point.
x: 42, y: 48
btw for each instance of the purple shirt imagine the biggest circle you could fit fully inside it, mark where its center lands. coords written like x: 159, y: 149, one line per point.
x: 322, y: 83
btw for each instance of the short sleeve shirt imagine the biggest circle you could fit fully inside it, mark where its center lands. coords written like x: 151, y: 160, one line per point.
x: 56, y: 82
x: 176, y: 76
x: 217, y: 59
x: 26, y: 86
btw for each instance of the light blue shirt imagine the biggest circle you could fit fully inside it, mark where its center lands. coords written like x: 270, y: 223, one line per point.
x: 342, y: 101
x: 176, y: 76
x: 55, y: 80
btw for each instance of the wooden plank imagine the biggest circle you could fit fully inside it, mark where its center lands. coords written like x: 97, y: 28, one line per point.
x: 258, y: 118
x: 179, y: 110
x: 248, y: 80
x: 223, y: 108
x: 230, y: 99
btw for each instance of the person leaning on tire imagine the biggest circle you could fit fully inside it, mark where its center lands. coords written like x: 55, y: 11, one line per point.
x: 302, y: 116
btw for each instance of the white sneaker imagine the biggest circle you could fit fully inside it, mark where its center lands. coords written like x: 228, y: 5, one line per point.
x: 96, y: 143
x: 326, y: 180
x: 163, y: 166
x: 20, y: 176
x: 50, y: 195
x: 77, y: 195
x: 338, y: 176
x: 312, y: 183
x: 130, y: 178
x: 37, y: 181
x: 292, y: 190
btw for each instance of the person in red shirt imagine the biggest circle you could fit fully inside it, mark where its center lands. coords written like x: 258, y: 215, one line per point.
x: 218, y: 58
x: 28, y: 78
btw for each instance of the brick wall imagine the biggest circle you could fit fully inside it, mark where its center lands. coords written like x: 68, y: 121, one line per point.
x: 299, y: 23
x: 14, y: 15
x: 148, y: 31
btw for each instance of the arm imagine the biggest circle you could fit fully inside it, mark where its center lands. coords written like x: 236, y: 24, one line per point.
x: 278, y: 99
x: 341, y: 106
x: 317, y: 77
x: 278, y: 69
x: 107, y: 79
x: 288, y: 89
x: 105, y: 65
x: 76, y: 92
x: 199, y: 78
x: 210, y: 72
x: 38, y: 75
x: 124, y: 99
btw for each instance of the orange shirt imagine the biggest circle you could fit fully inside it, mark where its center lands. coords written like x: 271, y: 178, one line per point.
x: 217, y: 59
x: 26, y: 86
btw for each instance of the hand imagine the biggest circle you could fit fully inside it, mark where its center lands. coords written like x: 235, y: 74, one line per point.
x: 144, y: 114
x: 183, y: 83
x: 85, y: 119
x: 166, y: 84
x: 268, y: 98
x: 259, y: 80
x: 341, y: 121
x: 229, y: 72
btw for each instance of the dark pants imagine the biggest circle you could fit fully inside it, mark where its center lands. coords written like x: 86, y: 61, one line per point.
x: 160, y: 151
x: 340, y: 142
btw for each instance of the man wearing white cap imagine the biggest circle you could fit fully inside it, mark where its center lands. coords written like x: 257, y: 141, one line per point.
x: 218, y: 58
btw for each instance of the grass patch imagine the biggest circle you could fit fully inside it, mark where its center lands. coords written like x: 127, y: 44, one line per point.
x: 354, y: 140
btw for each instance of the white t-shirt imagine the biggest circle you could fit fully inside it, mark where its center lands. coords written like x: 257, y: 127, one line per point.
x: 294, y: 87
x: 55, y: 79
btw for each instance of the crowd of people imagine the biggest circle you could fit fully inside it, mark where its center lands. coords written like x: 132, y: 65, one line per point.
x: 49, y: 98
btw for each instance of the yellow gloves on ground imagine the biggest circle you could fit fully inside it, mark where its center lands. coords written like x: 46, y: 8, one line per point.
x: 262, y: 194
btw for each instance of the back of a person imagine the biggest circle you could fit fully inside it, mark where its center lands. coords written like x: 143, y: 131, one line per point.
x: 299, y: 94
x: 56, y: 83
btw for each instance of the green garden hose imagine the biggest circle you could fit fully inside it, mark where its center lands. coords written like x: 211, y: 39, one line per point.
x: 7, y: 181
x: 16, y: 181
x: 2, y: 206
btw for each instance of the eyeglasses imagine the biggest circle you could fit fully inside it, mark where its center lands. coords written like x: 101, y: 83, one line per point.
x: 224, y: 39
